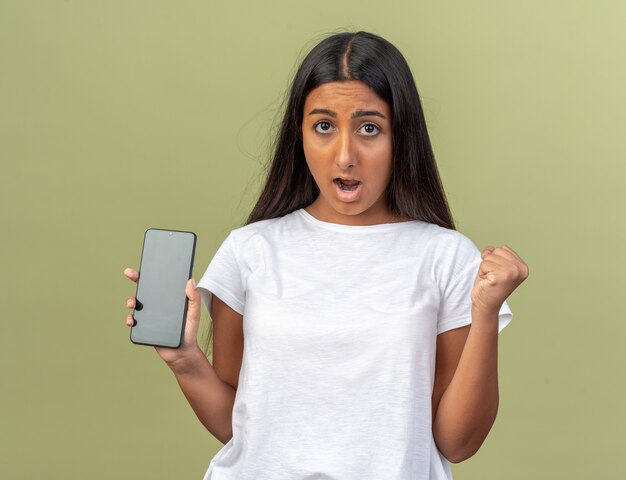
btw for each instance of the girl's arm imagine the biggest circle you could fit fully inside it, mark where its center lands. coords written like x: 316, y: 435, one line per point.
x: 465, y: 395
x: 210, y: 398
x: 209, y: 389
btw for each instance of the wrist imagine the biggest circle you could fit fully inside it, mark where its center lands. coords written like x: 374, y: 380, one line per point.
x: 484, y: 310
x: 187, y: 362
x: 485, y: 319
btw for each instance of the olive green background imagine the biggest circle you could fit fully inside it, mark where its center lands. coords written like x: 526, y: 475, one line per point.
x: 116, y: 116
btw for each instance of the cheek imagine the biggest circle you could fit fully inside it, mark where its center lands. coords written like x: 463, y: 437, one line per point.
x: 306, y: 148
x: 310, y: 159
x: 387, y: 156
x: 377, y: 160
x: 315, y: 156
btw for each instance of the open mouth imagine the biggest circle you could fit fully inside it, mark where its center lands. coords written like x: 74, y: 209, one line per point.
x: 346, y: 185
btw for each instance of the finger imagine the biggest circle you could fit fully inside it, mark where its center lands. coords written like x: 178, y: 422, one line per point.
x: 130, y: 302
x: 131, y: 274
x: 503, y: 254
x: 515, y: 259
x: 487, y: 272
x: 130, y: 321
x: 497, y: 257
x: 512, y: 252
x: 505, y: 251
x: 193, y: 307
x: 487, y: 266
x: 498, y: 267
x: 486, y: 251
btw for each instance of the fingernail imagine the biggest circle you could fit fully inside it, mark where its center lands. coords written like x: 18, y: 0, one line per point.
x: 193, y: 282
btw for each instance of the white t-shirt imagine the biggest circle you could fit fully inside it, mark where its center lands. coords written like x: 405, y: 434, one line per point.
x: 340, y: 325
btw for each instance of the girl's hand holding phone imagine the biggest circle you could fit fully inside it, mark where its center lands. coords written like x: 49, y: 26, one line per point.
x: 177, y: 358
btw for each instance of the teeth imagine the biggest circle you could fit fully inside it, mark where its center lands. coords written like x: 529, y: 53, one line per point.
x: 346, y: 188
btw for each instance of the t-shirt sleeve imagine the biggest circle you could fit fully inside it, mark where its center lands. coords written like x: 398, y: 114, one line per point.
x: 223, y: 278
x: 457, y: 269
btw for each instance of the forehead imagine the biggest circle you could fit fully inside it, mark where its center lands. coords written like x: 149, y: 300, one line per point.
x: 349, y: 96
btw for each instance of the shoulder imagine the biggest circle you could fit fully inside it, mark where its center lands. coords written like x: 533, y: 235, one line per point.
x: 450, y: 253
x: 444, y: 241
x: 252, y: 229
x: 264, y: 229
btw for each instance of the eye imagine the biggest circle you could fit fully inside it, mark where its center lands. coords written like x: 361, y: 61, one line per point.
x: 369, y: 129
x: 323, y: 127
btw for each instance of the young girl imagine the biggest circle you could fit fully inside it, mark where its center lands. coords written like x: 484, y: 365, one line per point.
x: 354, y: 330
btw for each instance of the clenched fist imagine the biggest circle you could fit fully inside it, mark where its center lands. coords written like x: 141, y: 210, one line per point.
x: 501, y: 271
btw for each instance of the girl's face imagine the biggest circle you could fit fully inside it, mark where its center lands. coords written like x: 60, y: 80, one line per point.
x: 346, y: 134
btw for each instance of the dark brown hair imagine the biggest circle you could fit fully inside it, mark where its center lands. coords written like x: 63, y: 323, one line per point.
x: 415, y: 189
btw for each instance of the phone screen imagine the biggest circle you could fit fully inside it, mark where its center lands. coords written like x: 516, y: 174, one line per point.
x: 166, y: 266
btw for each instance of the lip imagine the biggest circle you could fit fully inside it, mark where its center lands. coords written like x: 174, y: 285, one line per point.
x: 347, y: 196
x: 348, y: 180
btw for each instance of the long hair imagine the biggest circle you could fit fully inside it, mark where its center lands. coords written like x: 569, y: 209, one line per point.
x: 415, y: 189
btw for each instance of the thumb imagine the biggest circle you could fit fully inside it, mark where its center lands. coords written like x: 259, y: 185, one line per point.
x: 193, y: 306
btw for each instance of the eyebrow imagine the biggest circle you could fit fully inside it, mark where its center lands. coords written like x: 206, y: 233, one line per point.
x: 367, y: 113
x: 357, y: 114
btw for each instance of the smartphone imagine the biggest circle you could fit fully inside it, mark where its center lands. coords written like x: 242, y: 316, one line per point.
x: 161, y: 302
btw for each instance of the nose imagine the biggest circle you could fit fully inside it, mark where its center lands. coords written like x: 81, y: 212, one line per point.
x: 345, y: 155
